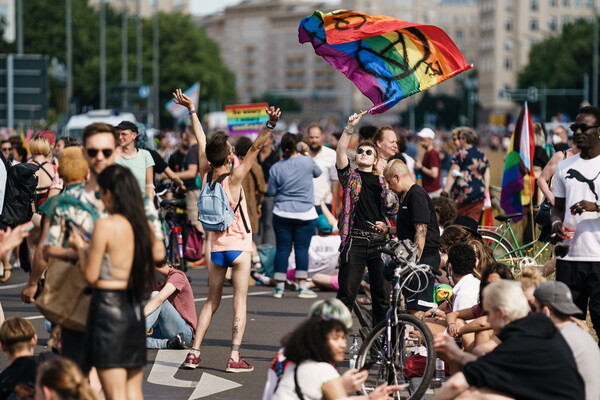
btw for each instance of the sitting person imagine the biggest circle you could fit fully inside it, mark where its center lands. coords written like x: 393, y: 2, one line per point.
x: 61, y: 379
x: 533, y: 361
x: 556, y: 301
x: 461, y: 264
x: 531, y: 277
x: 171, y: 311
x: 18, y: 340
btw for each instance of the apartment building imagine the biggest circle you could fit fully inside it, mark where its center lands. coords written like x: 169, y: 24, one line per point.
x: 147, y: 7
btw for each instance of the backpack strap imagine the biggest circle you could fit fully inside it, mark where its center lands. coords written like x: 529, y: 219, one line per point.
x: 296, y: 386
x: 43, y: 169
x: 242, y: 212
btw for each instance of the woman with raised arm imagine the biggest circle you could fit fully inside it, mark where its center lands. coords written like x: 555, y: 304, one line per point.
x: 363, y: 204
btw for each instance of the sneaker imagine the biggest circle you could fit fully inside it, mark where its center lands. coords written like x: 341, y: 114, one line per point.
x: 239, y: 366
x: 306, y: 294
x: 192, y: 361
x: 278, y: 293
x: 291, y: 285
x: 176, y: 343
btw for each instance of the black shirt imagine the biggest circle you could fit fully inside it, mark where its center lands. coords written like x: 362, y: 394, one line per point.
x: 19, y: 377
x: 533, y: 362
x: 368, y: 207
x: 268, y: 162
x: 417, y: 208
x: 159, y: 163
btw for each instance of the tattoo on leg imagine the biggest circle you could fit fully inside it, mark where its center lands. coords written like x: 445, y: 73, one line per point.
x: 235, y: 347
x: 235, y: 331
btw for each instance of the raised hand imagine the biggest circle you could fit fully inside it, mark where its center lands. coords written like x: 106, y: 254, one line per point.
x: 183, y: 99
x: 274, y: 114
x: 355, y: 118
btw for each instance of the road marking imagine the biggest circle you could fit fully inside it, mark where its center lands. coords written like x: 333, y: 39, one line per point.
x: 165, y: 366
x: 16, y: 285
x: 210, y: 384
x: 34, y: 317
x: 230, y: 296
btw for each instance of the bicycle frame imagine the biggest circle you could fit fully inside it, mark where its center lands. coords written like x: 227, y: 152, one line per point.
x: 518, y: 250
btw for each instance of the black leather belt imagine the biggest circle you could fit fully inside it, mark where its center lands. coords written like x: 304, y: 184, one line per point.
x: 366, y: 234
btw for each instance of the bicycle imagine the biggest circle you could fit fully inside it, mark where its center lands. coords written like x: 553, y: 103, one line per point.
x: 173, y: 216
x: 506, y: 249
x: 401, y: 336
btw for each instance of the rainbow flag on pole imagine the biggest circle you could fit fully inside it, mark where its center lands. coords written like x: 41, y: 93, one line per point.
x: 387, y: 59
x: 519, y: 162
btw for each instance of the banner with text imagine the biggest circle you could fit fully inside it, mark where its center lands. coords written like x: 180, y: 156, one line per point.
x: 246, y: 119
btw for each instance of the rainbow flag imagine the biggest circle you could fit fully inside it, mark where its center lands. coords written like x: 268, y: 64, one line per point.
x: 387, y: 59
x: 519, y: 162
x: 178, y: 112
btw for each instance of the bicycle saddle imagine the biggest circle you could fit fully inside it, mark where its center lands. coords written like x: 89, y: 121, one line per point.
x: 180, y: 203
x: 506, y: 217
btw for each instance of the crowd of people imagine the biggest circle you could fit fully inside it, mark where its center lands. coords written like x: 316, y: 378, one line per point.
x: 301, y: 213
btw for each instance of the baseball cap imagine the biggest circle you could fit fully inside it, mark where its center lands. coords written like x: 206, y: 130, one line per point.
x: 426, y: 133
x: 323, y: 226
x: 127, y: 125
x: 558, y: 295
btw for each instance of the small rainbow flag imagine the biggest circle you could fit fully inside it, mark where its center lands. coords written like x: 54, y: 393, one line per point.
x: 519, y: 162
x: 178, y: 112
x: 388, y: 59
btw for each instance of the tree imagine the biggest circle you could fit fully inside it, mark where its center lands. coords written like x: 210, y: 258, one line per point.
x: 187, y: 54
x: 560, y: 62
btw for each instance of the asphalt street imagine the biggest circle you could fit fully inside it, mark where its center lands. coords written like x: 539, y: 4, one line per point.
x: 269, y: 319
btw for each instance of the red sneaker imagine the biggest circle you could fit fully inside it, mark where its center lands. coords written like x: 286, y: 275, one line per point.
x: 238, y: 366
x: 192, y: 361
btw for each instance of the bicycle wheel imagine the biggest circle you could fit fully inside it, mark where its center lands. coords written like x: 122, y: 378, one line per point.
x: 411, y: 341
x: 501, y: 248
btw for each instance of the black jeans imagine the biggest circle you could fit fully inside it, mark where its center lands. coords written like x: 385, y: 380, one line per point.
x: 583, y: 278
x: 363, y: 251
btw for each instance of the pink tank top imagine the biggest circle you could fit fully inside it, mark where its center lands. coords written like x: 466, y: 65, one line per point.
x: 235, y: 237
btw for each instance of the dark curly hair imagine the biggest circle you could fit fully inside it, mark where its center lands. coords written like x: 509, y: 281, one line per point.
x: 309, y: 340
x: 503, y: 272
x: 445, y: 209
x: 217, y: 150
x: 463, y: 259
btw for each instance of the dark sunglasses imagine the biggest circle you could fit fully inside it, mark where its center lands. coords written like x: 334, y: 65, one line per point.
x: 92, y: 153
x: 367, y: 152
x: 6, y: 148
x: 583, y: 127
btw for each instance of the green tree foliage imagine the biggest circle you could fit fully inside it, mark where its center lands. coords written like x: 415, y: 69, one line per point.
x: 560, y: 62
x: 187, y: 54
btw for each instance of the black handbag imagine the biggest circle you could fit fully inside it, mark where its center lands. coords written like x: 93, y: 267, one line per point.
x: 542, y: 217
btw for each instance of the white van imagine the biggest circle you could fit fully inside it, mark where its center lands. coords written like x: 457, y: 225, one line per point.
x: 74, y: 127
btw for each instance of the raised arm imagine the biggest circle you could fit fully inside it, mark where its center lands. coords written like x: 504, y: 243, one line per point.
x: 341, y: 159
x: 238, y: 174
x: 184, y: 100
x: 547, y: 174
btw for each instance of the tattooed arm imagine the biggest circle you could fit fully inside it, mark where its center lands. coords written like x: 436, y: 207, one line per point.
x: 420, y: 234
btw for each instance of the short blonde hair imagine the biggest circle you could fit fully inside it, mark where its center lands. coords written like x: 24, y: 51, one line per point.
x: 72, y: 167
x: 395, y: 167
x: 39, y: 147
x: 509, y: 296
x: 531, y: 277
x: 16, y: 334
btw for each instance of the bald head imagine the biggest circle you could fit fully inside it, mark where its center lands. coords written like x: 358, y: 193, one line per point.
x: 395, y: 167
x: 397, y: 176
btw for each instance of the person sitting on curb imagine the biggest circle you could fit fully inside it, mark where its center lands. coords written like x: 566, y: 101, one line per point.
x: 172, y: 310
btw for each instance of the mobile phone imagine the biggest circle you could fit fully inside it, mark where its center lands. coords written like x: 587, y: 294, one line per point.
x: 372, y: 224
x: 367, y: 366
x: 29, y: 227
x: 77, y: 228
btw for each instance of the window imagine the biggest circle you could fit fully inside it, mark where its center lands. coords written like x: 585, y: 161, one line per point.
x: 553, y: 3
x: 553, y: 24
x: 566, y: 3
x: 509, y: 5
x: 508, y: 25
x: 508, y: 44
x: 534, y: 24
x: 507, y: 64
x: 459, y: 34
x: 534, y: 5
x: 565, y: 20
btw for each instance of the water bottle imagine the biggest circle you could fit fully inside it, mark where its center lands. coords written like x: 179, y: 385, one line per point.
x: 440, y: 374
x: 353, y: 352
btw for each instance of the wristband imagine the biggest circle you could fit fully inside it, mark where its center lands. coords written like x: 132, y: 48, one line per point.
x: 270, y: 125
x: 556, y: 222
x: 192, y: 112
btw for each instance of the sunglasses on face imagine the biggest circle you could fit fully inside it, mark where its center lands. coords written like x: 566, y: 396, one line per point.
x: 92, y: 153
x: 6, y: 148
x: 582, y: 127
x: 367, y: 151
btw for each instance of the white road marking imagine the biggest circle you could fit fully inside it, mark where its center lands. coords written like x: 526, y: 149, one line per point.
x: 230, y: 296
x: 165, y: 366
x: 16, y: 285
x: 210, y: 384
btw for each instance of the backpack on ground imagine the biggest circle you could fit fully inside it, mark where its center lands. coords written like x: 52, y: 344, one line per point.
x: 214, y: 210
x: 19, y: 193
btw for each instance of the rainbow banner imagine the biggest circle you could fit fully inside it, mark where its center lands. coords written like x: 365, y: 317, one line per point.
x: 519, y: 162
x: 246, y: 119
x: 388, y: 59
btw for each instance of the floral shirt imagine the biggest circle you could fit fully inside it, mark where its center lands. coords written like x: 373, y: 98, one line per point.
x: 472, y: 163
x: 352, y: 184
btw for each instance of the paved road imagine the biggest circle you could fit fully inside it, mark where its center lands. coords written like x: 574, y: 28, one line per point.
x: 269, y: 320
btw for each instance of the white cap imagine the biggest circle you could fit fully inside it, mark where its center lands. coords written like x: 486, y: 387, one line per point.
x: 426, y: 133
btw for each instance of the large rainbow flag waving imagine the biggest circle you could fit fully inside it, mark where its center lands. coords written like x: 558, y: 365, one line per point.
x: 388, y: 59
x: 519, y: 162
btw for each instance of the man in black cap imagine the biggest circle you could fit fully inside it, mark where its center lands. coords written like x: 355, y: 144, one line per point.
x: 556, y: 301
x: 139, y: 161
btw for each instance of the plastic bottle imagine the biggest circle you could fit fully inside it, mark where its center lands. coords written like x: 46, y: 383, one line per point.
x: 440, y: 373
x: 353, y: 352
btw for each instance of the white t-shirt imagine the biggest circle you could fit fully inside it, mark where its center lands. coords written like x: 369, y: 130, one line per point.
x: 325, y: 159
x: 587, y: 356
x: 576, y: 179
x: 323, y: 255
x: 465, y: 293
x: 311, y: 376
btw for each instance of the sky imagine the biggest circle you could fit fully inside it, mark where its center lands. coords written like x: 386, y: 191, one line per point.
x: 204, y: 7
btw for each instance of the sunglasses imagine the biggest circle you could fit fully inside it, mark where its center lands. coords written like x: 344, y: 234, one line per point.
x: 92, y: 153
x: 6, y: 148
x: 367, y: 152
x: 582, y: 127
